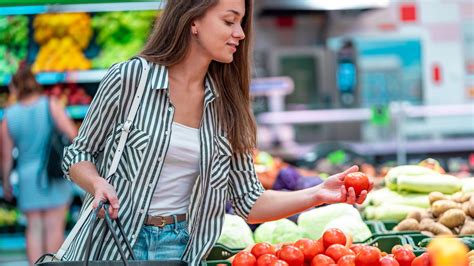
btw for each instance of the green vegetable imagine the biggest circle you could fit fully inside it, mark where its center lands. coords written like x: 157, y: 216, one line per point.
x: 235, y: 233
x: 407, y: 170
x: 428, y: 183
x: 467, y: 184
x: 356, y: 228
x: 386, y: 196
x: 279, y: 231
x: 314, y: 222
x: 389, y: 212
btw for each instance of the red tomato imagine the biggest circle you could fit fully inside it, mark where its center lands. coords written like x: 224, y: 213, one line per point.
x: 310, y: 248
x: 279, y: 263
x: 244, y: 258
x: 347, y: 260
x: 338, y: 251
x: 291, y: 254
x: 356, y: 248
x: 334, y: 236
x: 358, y: 180
x: 322, y: 260
x: 422, y: 260
x: 261, y: 249
x: 388, y: 261
x: 266, y: 259
x: 404, y: 256
x: 368, y: 256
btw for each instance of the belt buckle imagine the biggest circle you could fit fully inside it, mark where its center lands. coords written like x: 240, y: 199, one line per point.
x: 163, y: 221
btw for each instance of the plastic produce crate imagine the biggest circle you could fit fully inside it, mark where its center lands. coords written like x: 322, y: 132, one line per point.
x: 221, y: 252
x: 218, y: 263
x: 386, y: 243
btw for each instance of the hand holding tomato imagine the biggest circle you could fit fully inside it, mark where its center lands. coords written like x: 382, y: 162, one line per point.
x: 333, y: 190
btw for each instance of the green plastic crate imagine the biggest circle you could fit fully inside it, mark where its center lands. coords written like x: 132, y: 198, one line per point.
x: 218, y: 262
x: 221, y: 252
x: 386, y: 243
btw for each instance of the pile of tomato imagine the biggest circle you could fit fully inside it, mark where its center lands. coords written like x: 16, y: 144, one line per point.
x: 334, y: 248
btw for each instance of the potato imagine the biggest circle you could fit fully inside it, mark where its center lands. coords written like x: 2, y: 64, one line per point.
x: 425, y: 224
x: 415, y: 215
x: 408, y: 224
x: 435, y: 196
x: 471, y: 207
x: 427, y: 233
x: 439, y: 229
x: 440, y: 206
x: 460, y: 197
x: 452, y: 218
x: 468, y: 228
x: 427, y: 214
x: 465, y: 208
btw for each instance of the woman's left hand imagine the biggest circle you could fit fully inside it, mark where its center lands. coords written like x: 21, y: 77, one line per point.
x: 333, y: 190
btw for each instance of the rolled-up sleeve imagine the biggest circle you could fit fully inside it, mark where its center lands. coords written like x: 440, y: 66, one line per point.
x: 97, y: 124
x: 245, y: 188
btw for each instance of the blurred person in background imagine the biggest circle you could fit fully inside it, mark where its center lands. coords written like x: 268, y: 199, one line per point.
x: 27, y: 125
x: 190, y: 145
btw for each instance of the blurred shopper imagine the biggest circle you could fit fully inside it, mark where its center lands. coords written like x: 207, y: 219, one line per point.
x: 27, y: 125
x: 190, y: 145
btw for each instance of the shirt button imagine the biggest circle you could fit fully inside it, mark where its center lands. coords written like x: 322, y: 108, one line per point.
x: 170, y: 109
x: 150, y: 185
x: 142, y: 211
x: 134, y: 236
x: 160, y: 159
x: 166, y: 132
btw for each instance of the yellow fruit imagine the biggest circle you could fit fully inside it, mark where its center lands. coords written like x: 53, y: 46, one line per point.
x: 448, y: 251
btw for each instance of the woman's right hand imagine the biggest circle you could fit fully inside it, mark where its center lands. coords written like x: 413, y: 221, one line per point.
x: 105, y: 192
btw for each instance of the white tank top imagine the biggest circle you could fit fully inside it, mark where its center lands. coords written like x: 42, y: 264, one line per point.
x: 179, y: 173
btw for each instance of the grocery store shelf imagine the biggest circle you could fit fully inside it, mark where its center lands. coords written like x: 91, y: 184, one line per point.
x: 74, y: 111
x: 49, y: 78
x: 415, y: 147
x: 26, y: 7
x: 361, y: 114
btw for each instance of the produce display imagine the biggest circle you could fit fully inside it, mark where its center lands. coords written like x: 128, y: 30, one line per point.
x: 121, y: 35
x: 62, y: 39
x: 13, y: 42
x: 407, y: 189
x: 69, y: 94
x: 8, y: 217
x: 336, y: 248
x: 448, y: 215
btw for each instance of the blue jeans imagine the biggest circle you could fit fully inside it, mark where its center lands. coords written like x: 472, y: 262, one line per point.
x: 166, y: 243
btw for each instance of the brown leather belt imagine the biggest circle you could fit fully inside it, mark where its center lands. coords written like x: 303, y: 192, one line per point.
x: 161, y: 221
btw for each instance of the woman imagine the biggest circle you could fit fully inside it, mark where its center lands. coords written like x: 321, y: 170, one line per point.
x: 27, y: 125
x: 189, y: 149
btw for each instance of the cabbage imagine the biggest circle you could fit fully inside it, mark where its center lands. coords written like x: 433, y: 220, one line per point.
x: 287, y: 179
x: 314, y: 222
x: 356, y: 228
x: 279, y: 231
x: 235, y: 233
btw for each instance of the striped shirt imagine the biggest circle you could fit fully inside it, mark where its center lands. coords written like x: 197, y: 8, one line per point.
x: 224, y: 175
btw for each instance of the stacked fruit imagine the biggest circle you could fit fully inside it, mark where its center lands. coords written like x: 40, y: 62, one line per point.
x: 62, y: 37
x: 69, y: 94
x: 333, y: 248
x: 8, y: 216
x: 13, y: 42
x: 121, y: 35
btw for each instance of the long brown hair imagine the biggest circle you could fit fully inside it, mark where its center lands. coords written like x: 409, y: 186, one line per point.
x: 168, y: 45
x: 24, y: 82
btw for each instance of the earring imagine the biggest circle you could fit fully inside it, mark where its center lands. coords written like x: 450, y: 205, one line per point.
x: 195, y: 32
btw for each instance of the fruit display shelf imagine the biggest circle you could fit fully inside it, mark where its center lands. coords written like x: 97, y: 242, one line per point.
x: 26, y: 7
x: 74, y: 111
x: 50, y: 78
